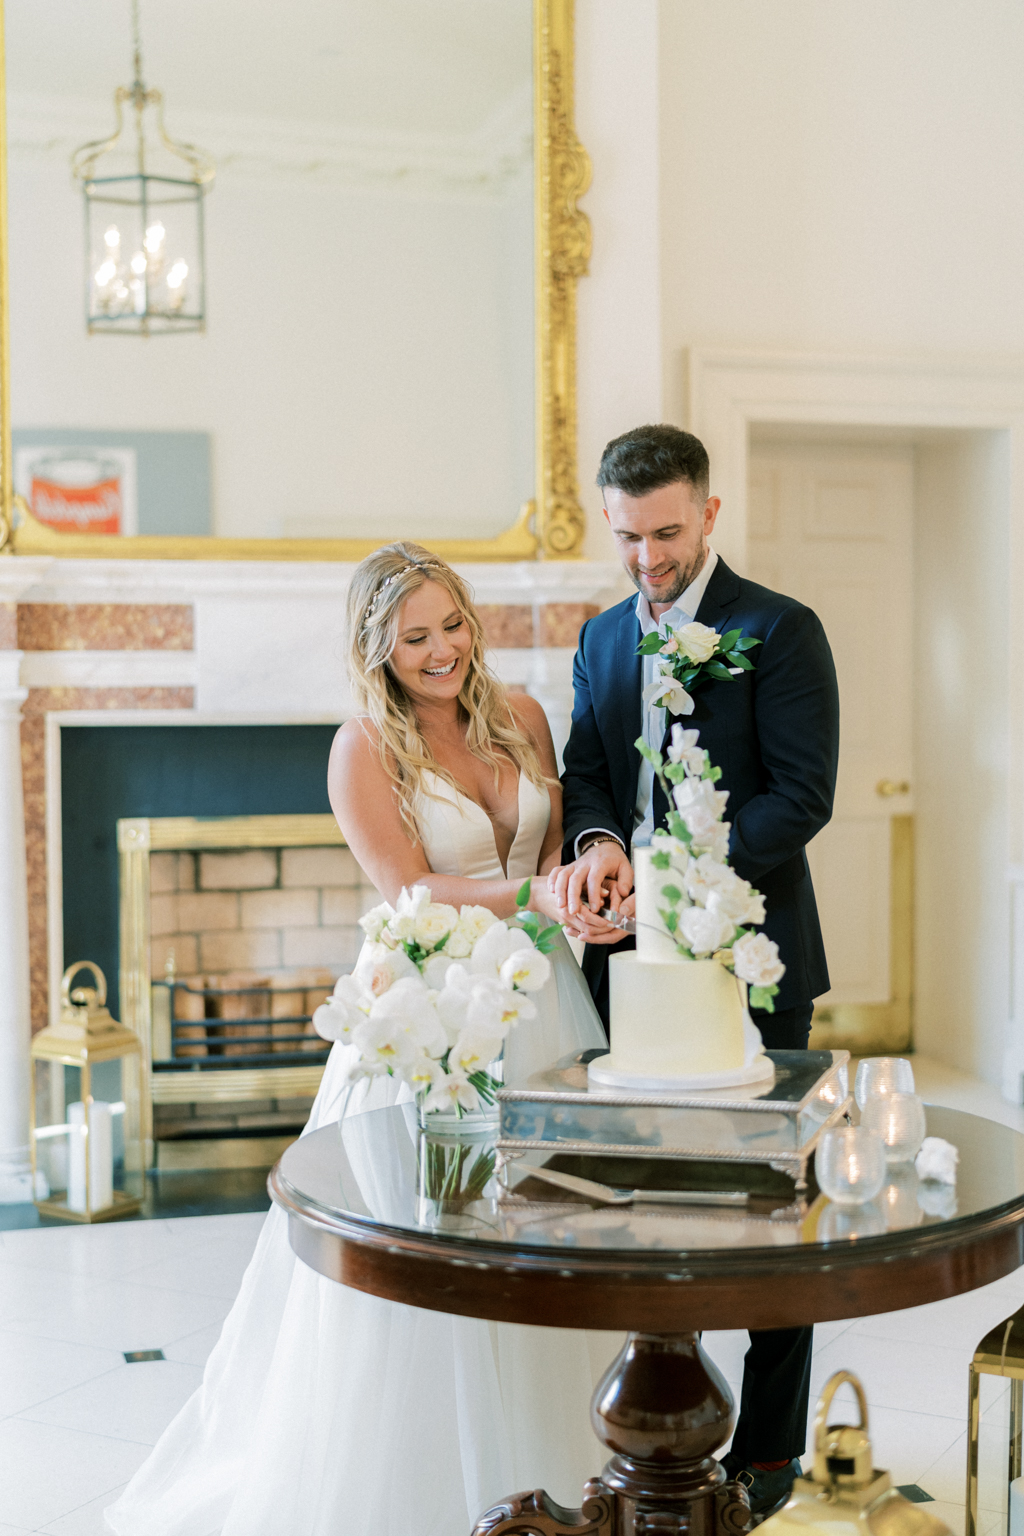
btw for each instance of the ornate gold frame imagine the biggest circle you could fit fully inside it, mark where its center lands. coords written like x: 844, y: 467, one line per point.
x: 550, y: 526
x: 137, y: 838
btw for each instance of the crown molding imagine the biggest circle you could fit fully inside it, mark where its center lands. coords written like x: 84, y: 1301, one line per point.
x: 487, y: 163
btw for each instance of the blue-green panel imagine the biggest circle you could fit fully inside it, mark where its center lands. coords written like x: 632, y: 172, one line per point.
x: 108, y: 772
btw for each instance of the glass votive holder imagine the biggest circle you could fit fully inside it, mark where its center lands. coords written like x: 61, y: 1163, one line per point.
x: 878, y: 1076
x: 900, y: 1122
x: 849, y: 1164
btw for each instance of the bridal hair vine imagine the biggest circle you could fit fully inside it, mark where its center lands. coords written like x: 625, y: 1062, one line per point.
x: 426, y: 565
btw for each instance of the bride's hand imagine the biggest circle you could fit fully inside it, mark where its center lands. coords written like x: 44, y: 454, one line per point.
x: 582, y: 924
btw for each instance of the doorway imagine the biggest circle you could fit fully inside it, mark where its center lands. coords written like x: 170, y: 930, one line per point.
x: 899, y: 540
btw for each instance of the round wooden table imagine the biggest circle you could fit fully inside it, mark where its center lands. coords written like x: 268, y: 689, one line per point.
x: 362, y: 1210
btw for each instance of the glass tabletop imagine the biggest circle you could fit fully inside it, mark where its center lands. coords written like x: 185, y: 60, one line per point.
x: 380, y: 1173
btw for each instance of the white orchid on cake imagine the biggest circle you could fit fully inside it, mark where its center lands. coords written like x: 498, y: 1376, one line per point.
x: 708, y: 909
x: 434, y: 993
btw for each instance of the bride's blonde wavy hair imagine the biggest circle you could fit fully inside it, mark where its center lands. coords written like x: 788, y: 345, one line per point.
x: 380, y: 585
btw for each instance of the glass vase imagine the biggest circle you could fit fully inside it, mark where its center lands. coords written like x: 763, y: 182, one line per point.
x: 457, y: 1121
x: 456, y: 1188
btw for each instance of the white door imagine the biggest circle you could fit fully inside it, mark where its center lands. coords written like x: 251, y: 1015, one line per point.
x: 832, y: 525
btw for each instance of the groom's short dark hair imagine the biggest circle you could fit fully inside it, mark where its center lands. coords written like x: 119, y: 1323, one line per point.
x: 649, y: 457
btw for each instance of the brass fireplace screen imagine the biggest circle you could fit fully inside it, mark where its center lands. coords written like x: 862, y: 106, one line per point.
x: 233, y: 930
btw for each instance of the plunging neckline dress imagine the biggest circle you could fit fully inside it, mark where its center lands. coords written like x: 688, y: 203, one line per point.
x: 324, y: 1411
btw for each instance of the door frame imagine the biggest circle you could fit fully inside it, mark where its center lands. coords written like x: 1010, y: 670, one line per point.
x: 729, y: 391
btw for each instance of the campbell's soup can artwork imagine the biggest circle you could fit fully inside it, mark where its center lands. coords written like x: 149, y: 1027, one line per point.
x: 78, y: 493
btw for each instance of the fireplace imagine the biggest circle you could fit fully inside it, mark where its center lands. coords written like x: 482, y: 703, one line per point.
x: 233, y: 930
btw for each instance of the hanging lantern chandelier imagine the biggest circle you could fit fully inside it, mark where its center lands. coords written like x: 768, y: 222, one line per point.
x: 143, y: 218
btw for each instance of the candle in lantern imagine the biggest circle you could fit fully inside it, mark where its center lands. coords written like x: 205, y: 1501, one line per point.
x: 100, y: 1143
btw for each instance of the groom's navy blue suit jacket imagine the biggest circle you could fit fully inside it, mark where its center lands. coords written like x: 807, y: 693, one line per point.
x: 774, y: 733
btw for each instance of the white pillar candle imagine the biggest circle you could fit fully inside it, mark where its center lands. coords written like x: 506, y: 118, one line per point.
x: 15, y: 1161
x: 101, y: 1157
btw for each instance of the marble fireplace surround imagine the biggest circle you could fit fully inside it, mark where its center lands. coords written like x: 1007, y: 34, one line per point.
x: 196, y: 642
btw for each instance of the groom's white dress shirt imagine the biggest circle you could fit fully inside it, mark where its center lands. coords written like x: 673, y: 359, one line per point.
x: 654, y: 718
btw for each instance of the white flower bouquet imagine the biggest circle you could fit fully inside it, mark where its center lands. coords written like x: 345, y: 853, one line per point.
x: 689, y: 655
x: 707, y: 905
x: 434, y: 993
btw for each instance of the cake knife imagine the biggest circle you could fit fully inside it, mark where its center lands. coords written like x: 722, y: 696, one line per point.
x: 627, y: 924
x: 609, y: 1196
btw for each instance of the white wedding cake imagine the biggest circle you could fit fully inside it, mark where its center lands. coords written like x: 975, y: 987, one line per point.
x: 676, y: 1023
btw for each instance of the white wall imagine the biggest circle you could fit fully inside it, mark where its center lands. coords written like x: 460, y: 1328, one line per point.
x: 841, y: 176
x: 361, y: 364
x: 961, y: 750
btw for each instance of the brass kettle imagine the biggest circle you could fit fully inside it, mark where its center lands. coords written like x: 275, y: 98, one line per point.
x: 846, y: 1495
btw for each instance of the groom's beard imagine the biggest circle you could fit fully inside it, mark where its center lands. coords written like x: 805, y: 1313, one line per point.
x: 674, y: 590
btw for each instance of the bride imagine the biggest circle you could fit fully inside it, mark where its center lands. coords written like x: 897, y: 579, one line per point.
x: 324, y: 1410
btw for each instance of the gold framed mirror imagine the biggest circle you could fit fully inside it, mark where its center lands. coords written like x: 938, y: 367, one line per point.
x: 550, y: 523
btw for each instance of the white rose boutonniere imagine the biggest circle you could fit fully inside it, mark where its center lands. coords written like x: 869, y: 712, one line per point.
x: 688, y: 656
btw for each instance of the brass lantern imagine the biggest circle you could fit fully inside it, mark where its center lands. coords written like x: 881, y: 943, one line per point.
x: 145, y: 262
x: 846, y: 1495
x: 1000, y: 1353
x: 76, y: 1141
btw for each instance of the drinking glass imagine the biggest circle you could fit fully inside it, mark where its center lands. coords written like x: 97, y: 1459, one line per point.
x: 899, y: 1121
x: 850, y: 1164
x: 878, y: 1076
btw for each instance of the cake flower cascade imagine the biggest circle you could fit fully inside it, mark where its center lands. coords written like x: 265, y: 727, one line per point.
x: 707, y: 908
x: 434, y: 993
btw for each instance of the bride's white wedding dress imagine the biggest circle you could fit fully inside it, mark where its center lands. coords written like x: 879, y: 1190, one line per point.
x: 327, y: 1412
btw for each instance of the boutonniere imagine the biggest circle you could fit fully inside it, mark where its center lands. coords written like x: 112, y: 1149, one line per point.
x: 689, y: 655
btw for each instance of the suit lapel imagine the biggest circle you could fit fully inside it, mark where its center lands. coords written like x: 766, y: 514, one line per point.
x: 628, y: 690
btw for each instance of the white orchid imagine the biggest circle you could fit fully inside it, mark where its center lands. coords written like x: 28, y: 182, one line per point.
x: 666, y: 693
x: 344, y: 1009
x: 492, y: 950
x: 435, y: 969
x: 526, y: 968
x: 700, y: 804
x: 473, y: 1051
x: 684, y: 749
x: 407, y: 1007
x: 452, y: 1090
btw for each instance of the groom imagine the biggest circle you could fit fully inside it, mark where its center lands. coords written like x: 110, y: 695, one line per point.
x: 774, y: 732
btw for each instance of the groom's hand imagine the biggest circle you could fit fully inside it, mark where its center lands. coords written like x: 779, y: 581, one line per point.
x: 602, y: 875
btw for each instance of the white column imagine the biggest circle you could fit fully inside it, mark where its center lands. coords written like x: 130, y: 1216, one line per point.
x: 15, y: 1024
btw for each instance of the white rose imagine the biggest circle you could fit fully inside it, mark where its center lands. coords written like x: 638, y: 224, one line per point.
x: 697, y: 641
x: 376, y: 920
x: 666, y: 693
x: 473, y: 1052
x: 525, y: 969
x: 473, y: 923
x: 700, y: 804
x: 378, y: 968
x: 714, y: 842
x: 705, y: 931
x: 735, y: 900
x: 434, y: 922
x: 343, y: 1010
x: 756, y: 960
x: 684, y: 749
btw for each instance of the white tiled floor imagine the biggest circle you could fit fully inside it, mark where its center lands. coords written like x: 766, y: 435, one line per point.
x: 76, y: 1421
